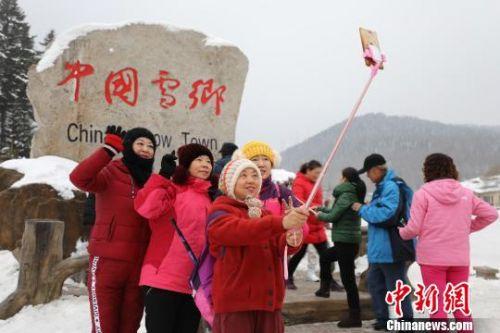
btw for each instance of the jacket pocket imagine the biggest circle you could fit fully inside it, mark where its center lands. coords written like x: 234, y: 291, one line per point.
x: 111, y: 229
x: 103, y: 230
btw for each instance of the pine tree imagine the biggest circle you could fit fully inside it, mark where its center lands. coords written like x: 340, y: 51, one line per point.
x: 16, y: 56
x: 47, y: 41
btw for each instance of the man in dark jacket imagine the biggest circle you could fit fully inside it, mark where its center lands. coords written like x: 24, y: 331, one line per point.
x: 226, y: 151
x: 388, y: 255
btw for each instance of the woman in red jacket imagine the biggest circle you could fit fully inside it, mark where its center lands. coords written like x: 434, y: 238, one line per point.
x: 248, y: 242
x: 302, y: 188
x: 120, y: 236
x: 170, y: 307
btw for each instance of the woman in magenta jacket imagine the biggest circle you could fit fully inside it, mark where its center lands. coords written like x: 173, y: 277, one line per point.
x: 167, y: 266
x: 443, y: 215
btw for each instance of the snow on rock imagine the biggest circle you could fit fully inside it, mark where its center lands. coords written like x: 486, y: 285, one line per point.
x: 50, y: 170
x: 282, y: 175
x: 63, y: 40
x: 217, y: 42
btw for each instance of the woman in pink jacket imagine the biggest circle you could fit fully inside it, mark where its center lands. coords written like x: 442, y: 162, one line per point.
x: 167, y: 265
x: 443, y: 214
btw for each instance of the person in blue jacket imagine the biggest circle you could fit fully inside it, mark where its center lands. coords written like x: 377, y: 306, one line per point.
x: 388, y: 254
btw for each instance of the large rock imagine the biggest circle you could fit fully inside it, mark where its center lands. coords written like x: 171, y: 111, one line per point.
x: 8, y: 177
x: 36, y: 201
x: 184, y: 86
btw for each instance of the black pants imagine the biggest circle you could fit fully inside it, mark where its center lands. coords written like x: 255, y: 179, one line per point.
x: 344, y: 253
x: 297, y: 257
x: 170, y: 312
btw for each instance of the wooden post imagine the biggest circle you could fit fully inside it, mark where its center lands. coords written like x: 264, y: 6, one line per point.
x: 42, y: 271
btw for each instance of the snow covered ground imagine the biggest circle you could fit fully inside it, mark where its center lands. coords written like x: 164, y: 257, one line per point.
x: 71, y: 314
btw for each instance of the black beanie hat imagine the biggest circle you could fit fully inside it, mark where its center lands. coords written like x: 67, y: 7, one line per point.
x: 136, y: 133
x: 187, y: 154
x: 140, y: 168
x: 228, y: 149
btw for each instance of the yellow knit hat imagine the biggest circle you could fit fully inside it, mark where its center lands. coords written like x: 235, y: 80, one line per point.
x: 256, y: 148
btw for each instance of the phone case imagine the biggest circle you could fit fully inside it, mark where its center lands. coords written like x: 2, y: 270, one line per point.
x: 369, y: 37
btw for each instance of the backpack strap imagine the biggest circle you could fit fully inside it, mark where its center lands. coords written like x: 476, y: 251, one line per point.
x: 281, y: 200
x: 399, y: 214
x: 402, y: 195
x: 214, y: 216
x: 278, y: 190
x: 210, y: 219
x: 188, y: 248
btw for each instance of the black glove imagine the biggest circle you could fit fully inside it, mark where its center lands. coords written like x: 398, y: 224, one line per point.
x: 114, y: 138
x: 168, y: 165
x: 116, y: 130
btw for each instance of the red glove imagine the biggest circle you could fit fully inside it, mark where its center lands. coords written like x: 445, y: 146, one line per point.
x: 114, y: 138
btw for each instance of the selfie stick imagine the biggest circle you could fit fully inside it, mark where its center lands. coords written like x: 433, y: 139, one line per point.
x: 377, y: 59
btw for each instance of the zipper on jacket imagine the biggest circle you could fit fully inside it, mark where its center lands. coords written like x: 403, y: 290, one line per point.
x: 132, y: 193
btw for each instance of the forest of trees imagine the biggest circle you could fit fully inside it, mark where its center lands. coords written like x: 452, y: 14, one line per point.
x: 18, y: 53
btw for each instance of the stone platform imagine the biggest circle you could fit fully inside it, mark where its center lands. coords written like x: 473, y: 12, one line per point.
x: 302, y: 306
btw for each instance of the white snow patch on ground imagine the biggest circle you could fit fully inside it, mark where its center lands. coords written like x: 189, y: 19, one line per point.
x: 9, y: 269
x: 67, y: 314
x: 80, y: 248
x: 50, y: 170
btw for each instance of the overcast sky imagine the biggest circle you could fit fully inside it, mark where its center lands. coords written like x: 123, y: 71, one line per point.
x: 306, y: 69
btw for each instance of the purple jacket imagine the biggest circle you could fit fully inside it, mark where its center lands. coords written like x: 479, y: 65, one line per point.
x: 270, y: 191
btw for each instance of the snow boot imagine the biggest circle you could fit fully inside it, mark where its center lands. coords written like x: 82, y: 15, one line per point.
x: 352, y: 319
x: 324, y: 289
x: 290, y: 285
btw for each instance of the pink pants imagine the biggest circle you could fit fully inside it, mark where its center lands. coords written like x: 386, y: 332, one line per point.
x: 440, y: 276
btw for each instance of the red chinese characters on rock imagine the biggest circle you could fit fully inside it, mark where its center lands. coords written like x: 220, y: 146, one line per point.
x: 123, y: 84
x: 166, y: 84
x: 77, y: 71
x: 206, y: 94
x: 457, y: 298
x: 427, y: 298
x: 397, y: 296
